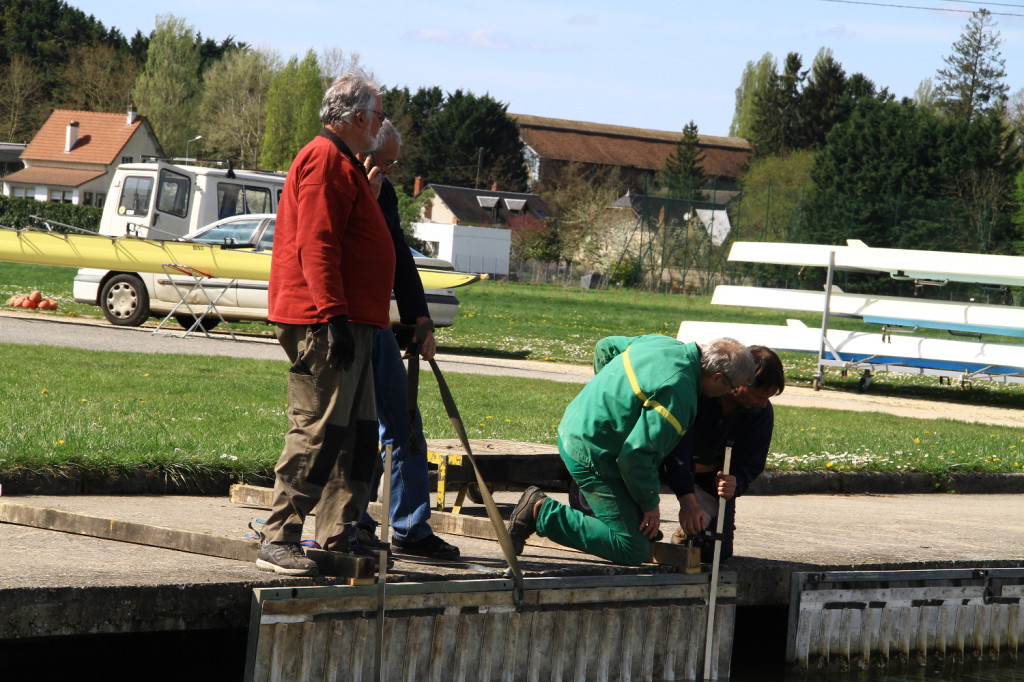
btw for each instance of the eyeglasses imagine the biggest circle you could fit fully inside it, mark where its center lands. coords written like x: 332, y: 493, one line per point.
x: 381, y: 115
x: 390, y: 163
x: 732, y: 386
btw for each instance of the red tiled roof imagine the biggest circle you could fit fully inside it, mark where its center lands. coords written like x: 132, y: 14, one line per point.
x: 580, y: 141
x: 42, y: 175
x: 101, y: 137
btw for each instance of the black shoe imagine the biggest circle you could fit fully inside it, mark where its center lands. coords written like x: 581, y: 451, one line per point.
x: 366, y: 536
x: 286, y: 558
x: 521, y: 523
x: 430, y: 546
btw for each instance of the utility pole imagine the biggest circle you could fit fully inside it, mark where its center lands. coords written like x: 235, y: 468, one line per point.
x: 479, y: 167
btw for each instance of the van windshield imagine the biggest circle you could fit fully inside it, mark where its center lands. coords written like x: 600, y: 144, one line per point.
x: 135, y: 196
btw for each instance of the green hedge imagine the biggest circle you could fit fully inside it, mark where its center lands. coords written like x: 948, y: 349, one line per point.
x: 15, y: 212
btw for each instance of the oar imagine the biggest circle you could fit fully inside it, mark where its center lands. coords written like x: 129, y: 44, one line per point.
x: 713, y: 594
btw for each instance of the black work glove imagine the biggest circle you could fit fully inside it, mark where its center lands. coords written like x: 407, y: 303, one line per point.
x: 341, y: 344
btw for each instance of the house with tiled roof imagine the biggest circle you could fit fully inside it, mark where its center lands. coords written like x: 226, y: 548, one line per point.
x: 553, y: 142
x: 73, y: 156
x: 471, y: 228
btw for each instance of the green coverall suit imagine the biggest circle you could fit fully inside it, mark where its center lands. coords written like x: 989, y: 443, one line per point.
x: 613, y: 437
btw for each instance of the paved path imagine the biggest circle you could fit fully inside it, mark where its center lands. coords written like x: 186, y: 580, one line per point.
x: 40, y: 329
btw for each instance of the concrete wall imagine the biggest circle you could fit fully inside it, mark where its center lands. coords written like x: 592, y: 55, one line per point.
x: 469, y: 248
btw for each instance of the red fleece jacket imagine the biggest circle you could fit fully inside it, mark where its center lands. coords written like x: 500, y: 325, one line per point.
x: 333, y: 254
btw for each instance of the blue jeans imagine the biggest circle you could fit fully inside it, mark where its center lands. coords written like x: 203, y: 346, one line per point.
x: 410, y: 491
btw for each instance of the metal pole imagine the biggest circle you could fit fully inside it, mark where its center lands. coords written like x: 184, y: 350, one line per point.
x: 709, y: 640
x: 819, y: 377
x: 382, y: 566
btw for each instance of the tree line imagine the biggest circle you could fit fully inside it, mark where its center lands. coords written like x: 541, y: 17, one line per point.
x: 226, y: 100
x: 835, y: 157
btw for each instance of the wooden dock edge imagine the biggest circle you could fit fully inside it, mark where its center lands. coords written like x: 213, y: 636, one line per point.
x: 106, y: 528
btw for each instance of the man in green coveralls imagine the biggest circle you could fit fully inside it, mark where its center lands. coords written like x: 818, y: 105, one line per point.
x: 615, y: 434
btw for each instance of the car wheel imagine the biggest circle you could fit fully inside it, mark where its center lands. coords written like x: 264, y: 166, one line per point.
x: 125, y: 301
x: 186, y: 321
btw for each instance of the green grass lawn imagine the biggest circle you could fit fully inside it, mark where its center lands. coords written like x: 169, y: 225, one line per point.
x: 67, y: 409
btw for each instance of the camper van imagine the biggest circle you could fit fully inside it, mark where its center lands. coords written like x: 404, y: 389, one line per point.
x: 163, y: 200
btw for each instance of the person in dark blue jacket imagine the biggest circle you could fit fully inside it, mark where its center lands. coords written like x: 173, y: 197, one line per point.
x: 694, y: 468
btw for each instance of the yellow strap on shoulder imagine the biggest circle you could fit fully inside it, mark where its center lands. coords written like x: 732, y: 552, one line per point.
x: 648, y: 402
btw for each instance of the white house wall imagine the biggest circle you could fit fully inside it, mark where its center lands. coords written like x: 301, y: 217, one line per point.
x: 469, y: 248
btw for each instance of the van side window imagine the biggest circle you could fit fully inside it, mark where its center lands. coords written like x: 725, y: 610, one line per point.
x: 135, y: 196
x: 234, y: 199
x: 172, y: 196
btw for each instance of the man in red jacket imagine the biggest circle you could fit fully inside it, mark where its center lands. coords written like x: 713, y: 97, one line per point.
x: 330, y: 287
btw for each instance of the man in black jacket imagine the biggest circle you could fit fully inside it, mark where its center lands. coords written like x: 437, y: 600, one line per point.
x: 694, y: 469
x: 410, y: 492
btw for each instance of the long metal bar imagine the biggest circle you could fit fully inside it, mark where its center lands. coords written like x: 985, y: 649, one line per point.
x: 709, y: 637
x: 819, y: 377
x: 382, y: 566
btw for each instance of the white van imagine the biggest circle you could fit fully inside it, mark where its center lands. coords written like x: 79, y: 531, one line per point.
x: 163, y: 200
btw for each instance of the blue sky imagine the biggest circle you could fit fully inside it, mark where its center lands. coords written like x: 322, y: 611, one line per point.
x: 645, y: 64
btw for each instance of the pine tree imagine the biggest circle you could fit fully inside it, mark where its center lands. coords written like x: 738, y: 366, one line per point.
x: 168, y: 90
x: 822, y: 101
x: 684, y: 175
x: 777, y: 124
x: 973, y: 83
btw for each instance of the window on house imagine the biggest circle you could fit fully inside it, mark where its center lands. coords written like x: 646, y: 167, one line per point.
x: 127, y: 159
x: 22, y: 192
x: 88, y: 199
x: 172, y: 196
x: 135, y: 196
x: 61, y: 196
x: 100, y: 198
x: 236, y: 199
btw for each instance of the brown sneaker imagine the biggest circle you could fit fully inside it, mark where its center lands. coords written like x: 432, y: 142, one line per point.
x: 521, y: 523
x: 286, y: 558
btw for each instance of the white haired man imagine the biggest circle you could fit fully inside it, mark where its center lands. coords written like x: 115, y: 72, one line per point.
x: 330, y: 288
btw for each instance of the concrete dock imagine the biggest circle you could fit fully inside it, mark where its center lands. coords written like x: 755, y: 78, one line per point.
x: 58, y: 584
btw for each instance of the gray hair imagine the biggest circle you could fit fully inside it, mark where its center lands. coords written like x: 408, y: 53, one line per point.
x: 350, y: 92
x: 731, y: 358
x: 387, y: 131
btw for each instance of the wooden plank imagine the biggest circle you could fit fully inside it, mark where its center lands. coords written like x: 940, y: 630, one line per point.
x: 458, y: 524
x: 128, y: 531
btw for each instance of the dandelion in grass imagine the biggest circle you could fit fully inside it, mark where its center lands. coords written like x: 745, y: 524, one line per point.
x: 45, y: 391
x: 85, y: 400
x: 917, y: 441
x: 60, y: 442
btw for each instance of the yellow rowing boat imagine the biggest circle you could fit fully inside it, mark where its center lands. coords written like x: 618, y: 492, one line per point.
x: 136, y: 254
